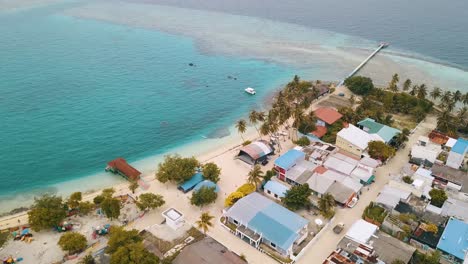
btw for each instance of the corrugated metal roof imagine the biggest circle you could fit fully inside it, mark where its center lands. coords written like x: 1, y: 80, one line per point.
x: 384, y: 131
x: 289, y: 159
x: 274, y: 222
x: 328, y: 115
x: 461, y: 146
x: 190, y: 183
x: 276, y: 188
x: 455, y: 238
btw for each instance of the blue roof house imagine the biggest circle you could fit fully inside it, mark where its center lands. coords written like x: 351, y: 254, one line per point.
x: 457, y: 154
x: 287, y: 161
x: 189, y: 184
x: 275, y: 189
x: 454, y: 241
x: 260, y: 220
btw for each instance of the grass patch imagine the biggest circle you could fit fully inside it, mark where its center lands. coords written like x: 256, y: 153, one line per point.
x: 374, y: 212
x: 3, y: 238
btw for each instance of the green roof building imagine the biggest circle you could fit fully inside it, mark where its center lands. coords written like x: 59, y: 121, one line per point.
x: 385, y: 132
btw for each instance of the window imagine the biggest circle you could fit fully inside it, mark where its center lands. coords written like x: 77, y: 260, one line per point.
x: 268, y: 191
x: 276, y: 196
x: 235, y: 222
x: 273, y: 245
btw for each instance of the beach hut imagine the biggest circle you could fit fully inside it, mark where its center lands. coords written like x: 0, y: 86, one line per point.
x: 191, y: 183
x: 121, y: 167
x: 206, y: 183
x: 255, y: 152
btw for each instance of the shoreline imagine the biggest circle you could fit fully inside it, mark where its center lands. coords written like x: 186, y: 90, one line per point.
x: 15, y: 219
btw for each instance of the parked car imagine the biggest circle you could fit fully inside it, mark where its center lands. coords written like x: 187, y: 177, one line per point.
x: 353, y: 202
x: 264, y: 162
x: 341, y: 94
x: 338, y: 228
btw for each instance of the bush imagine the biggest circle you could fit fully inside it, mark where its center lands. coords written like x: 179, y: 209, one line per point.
x: 72, y: 242
x: 148, y: 201
x: 303, y: 141
x: 247, y: 142
x: 407, y: 179
x: 297, y: 197
x: 246, y: 189
x: 359, y: 85
x: 111, y: 207
x: 211, y: 172
x: 438, y: 197
x: 233, y: 198
x: 176, y: 169
x: 379, y: 150
x: 85, y: 207
x: 47, y: 211
x: 204, y: 195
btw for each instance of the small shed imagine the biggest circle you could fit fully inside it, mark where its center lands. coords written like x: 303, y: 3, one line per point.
x: 174, y: 218
x: 275, y: 189
x: 191, y: 183
x: 255, y: 152
x: 121, y: 167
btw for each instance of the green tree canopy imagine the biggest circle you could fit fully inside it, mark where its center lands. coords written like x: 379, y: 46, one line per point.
x: 72, y: 242
x: 148, y: 201
x: 327, y: 205
x: 111, y: 207
x: 85, y: 207
x: 74, y: 200
x: 133, y: 185
x: 438, y: 197
x: 303, y: 141
x: 120, y: 237
x: 88, y: 259
x: 379, y: 150
x: 176, y: 169
x: 205, y: 195
x: 47, y: 211
x: 211, y: 172
x: 297, y: 197
x: 359, y: 85
x: 133, y: 253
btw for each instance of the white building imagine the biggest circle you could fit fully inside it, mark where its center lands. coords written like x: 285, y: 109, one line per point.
x: 174, y: 218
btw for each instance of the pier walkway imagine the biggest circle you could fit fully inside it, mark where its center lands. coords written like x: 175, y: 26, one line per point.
x: 382, y: 45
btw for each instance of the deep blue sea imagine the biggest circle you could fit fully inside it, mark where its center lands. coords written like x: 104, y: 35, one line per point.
x: 76, y: 93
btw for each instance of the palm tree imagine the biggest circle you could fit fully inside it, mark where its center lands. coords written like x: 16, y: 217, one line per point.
x: 465, y: 99
x: 435, y: 93
x: 462, y: 117
x: 352, y: 100
x: 133, y: 186
x: 255, y: 175
x: 422, y: 91
x: 393, y: 85
x: 414, y: 90
x: 444, y: 122
x: 457, y: 96
x: 298, y: 116
x: 406, y: 85
x: 204, y: 222
x: 241, y: 126
x: 253, y: 118
x: 265, y: 128
x: 326, y: 205
x: 446, y: 97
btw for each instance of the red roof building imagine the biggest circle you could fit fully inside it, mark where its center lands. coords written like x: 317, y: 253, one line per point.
x: 320, y: 131
x: 120, y: 166
x: 328, y: 115
x: 438, y: 137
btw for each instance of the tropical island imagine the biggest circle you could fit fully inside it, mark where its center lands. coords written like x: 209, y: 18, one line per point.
x: 318, y: 155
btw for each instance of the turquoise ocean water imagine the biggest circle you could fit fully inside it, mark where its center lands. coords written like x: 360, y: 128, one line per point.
x: 83, y: 82
x: 78, y: 93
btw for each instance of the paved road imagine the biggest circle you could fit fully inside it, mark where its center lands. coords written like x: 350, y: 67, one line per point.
x: 329, y: 240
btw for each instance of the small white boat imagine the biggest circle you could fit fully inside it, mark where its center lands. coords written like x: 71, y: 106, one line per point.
x: 250, y: 90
